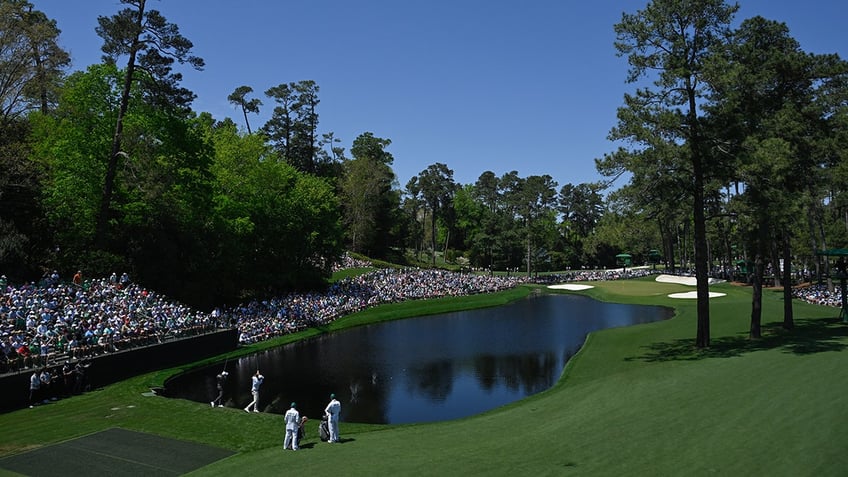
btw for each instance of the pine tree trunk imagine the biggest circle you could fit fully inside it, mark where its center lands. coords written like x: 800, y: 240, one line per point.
x: 775, y: 260
x: 100, y: 234
x: 788, y: 317
x: 702, y: 339
x: 757, y: 298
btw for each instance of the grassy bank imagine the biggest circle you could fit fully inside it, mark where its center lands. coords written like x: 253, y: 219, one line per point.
x: 639, y: 400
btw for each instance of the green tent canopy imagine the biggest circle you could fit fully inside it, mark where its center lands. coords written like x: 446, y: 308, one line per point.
x: 745, y: 266
x: 654, y: 257
x: 834, y: 252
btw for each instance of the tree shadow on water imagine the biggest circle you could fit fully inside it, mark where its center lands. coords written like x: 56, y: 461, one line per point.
x: 809, y: 336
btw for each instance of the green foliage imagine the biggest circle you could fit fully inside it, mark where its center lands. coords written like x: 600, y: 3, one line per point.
x: 293, y: 126
x: 532, y: 201
x: 150, y: 42
x: 151, y: 45
x: 161, y: 191
x: 623, y: 233
x: 24, y: 243
x: 31, y: 61
x: 767, y: 105
x: 205, y: 213
x: 72, y: 146
x: 437, y: 188
x: 368, y: 146
x: 468, y: 216
x: 490, y: 220
x: 278, y: 228
x: 239, y: 98
x: 371, y: 205
x: 582, y: 208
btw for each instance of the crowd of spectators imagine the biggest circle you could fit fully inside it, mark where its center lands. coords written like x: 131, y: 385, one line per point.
x: 43, y: 323
x: 349, y: 262
x: 594, y: 275
x: 263, y: 319
x: 50, y: 383
x: 819, y: 294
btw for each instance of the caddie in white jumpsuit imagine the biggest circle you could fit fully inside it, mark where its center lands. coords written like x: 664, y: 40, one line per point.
x: 333, y: 410
x: 292, y: 428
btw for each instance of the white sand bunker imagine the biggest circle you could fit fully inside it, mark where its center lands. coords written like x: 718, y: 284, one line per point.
x: 694, y: 294
x: 691, y: 281
x: 570, y: 286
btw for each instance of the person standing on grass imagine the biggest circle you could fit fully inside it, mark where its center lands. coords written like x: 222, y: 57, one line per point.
x: 68, y: 374
x: 256, y: 382
x: 292, y: 428
x: 34, y: 389
x: 46, y: 380
x: 333, y: 409
x: 221, y: 381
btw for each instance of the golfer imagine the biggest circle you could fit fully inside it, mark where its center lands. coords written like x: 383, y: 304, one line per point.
x: 256, y: 382
x: 292, y: 428
x: 221, y: 382
x: 333, y: 409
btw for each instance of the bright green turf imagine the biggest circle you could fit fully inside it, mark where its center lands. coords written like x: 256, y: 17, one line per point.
x: 639, y: 400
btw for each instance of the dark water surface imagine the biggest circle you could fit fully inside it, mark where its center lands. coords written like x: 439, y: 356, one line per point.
x: 423, y: 369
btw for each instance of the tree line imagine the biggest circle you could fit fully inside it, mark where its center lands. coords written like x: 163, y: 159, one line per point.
x: 743, y: 127
x: 735, y: 151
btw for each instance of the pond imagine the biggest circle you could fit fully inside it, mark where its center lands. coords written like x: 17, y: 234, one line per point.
x: 424, y: 369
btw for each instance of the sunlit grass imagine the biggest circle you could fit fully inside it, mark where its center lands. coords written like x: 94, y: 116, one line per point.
x: 349, y: 273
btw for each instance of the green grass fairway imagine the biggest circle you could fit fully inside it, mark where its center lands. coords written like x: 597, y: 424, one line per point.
x: 639, y: 400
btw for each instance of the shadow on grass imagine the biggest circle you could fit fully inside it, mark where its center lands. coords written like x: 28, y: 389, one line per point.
x: 809, y: 336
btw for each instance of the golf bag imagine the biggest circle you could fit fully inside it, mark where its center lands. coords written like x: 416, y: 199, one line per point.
x: 324, y: 430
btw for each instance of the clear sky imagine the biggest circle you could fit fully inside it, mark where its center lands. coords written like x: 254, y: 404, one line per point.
x: 498, y: 85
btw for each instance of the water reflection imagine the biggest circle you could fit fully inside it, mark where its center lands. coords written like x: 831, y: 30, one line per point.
x: 423, y: 369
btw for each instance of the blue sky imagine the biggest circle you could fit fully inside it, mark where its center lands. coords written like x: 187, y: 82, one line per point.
x: 531, y: 86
